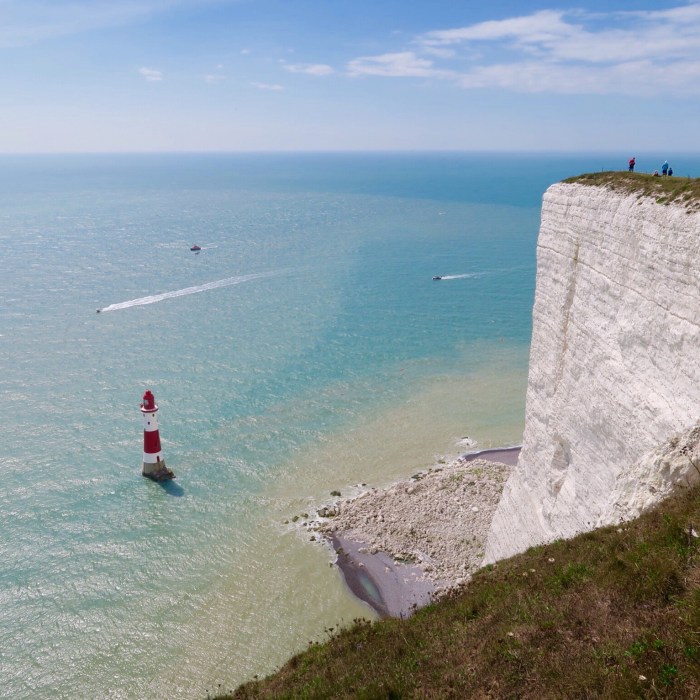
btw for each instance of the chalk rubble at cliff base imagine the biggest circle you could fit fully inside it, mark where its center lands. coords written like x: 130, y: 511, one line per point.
x: 437, y: 520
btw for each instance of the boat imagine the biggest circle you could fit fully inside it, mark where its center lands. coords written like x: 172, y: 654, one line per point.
x: 195, y: 248
x: 437, y: 277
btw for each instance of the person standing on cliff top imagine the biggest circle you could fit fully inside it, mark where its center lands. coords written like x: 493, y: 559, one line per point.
x: 631, y: 164
x: 664, y: 168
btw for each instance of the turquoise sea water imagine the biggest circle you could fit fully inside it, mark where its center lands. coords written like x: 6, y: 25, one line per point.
x: 305, y: 349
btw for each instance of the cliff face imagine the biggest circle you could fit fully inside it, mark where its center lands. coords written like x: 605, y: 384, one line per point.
x: 614, y: 366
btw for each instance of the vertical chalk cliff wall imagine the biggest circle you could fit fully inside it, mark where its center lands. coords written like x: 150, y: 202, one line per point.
x: 614, y: 366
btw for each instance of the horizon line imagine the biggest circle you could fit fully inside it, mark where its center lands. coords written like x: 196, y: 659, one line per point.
x: 407, y: 151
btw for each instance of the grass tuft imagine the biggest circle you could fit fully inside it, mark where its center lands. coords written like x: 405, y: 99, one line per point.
x: 684, y: 191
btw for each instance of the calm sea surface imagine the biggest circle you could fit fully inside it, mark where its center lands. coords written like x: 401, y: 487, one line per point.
x: 305, y: 349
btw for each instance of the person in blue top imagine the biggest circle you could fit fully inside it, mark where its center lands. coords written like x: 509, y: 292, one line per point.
x: 664, y: 168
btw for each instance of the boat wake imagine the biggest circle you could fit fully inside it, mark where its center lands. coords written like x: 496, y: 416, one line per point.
x: 461, y: 277
x: 155, y: 298
x: 481, y: 273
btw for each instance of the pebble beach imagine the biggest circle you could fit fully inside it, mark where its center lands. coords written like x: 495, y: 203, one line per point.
x: 402, y: 546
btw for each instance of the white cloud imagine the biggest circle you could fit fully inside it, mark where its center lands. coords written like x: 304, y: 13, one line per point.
x: 537, y: 76
x: 438, y: 51
x: 536, y: 27
x: 151, y: 74
x: 405, y: 64
x: 268, y: 86
x: 637, y: 53
x: 319, y: 69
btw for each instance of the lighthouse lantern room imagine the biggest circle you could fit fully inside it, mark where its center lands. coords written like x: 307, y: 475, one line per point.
x: 153, y: 461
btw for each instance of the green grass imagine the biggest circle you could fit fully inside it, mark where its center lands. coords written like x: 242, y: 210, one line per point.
x: 614, y: 613
x: 665, y: 190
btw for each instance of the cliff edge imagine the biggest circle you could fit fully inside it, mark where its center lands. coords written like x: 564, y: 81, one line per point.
x: 614, y: 364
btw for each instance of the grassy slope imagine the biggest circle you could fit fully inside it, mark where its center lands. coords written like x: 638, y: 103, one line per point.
x: 613, y: 613
x: 680, y: 190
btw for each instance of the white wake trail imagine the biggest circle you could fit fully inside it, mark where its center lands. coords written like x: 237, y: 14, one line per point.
x: 155, y: 298
x: 464, y: 276
x: 483, y: 273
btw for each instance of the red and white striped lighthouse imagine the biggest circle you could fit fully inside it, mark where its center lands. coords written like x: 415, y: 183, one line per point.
x: 153, y: 462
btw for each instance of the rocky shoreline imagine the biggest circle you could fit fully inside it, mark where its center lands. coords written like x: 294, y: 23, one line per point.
x: 400, y: 547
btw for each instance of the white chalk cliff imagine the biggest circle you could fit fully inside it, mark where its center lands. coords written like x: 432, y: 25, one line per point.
x: 614, y: 367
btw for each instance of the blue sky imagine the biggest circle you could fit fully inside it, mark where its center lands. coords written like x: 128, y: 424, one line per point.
x: 335, y: 75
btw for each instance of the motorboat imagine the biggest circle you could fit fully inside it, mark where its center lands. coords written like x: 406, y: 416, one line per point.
x: 437, y: 277
x: 195, y: 248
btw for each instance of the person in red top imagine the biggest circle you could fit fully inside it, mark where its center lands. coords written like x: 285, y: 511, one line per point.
x: 631, y: 165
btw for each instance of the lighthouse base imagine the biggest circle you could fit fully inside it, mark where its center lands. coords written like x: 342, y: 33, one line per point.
x: 157, y: 471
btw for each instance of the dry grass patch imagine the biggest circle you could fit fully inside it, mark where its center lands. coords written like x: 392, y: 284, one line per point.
x: 665, y: 190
